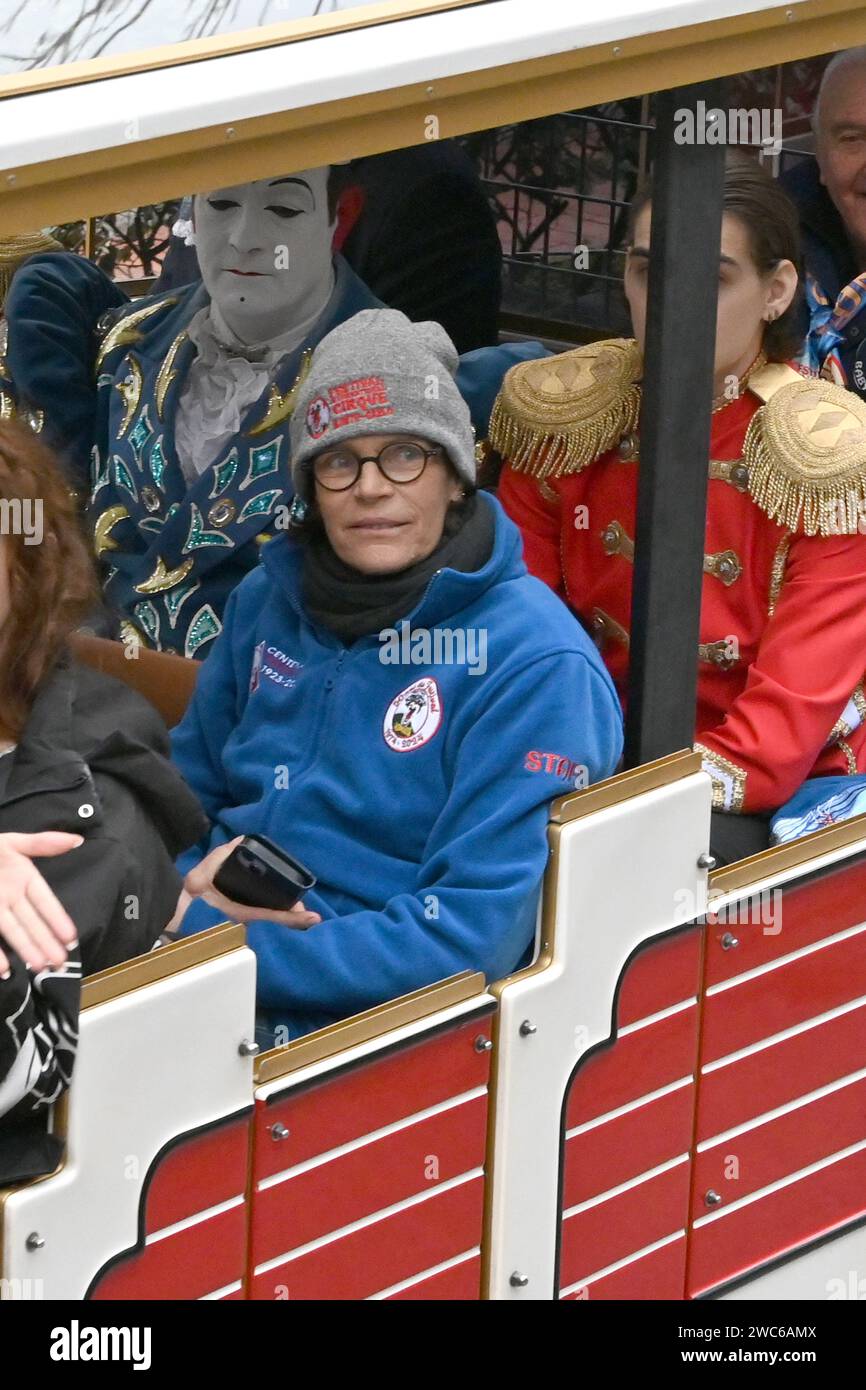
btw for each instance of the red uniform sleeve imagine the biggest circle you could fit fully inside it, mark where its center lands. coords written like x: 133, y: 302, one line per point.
x: 810, y: 659
x: 540, y: 523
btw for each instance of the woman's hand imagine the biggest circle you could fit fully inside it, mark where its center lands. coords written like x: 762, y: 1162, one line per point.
x: 32, y: 921
x: 199, y: 884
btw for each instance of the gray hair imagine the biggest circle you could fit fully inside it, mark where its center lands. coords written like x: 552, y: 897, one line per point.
x: 848, y: 58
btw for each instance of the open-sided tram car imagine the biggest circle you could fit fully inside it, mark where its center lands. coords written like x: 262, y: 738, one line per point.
x: 670, y: 1101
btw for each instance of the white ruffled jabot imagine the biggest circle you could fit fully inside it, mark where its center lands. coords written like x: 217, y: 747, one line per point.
x: 223, y: 381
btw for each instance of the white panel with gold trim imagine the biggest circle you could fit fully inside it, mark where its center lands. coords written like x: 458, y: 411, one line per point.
x: 627, y: 873
x: 407, y: 1032
x: 119, y: 111
x: 151, y: 1064
x: 765, y: 883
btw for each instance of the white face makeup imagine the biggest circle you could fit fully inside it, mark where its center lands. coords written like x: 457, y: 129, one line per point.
x: 264, y: 249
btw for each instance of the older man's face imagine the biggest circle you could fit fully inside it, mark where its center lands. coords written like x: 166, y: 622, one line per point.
x: 841, y: 150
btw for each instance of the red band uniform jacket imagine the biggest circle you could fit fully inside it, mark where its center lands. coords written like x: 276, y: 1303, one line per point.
x: 783, y: 612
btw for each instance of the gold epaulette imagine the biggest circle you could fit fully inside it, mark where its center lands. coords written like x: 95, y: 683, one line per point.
x: 14, y: 250
x: 806, y: 453
x: 555, y: 415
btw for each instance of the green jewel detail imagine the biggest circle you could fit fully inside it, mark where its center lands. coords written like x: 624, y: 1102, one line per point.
x: 199, y: 537
x: 224, y: 473
x: 140, y: 433
x: 157, y: 462
x: 123, y: 477
x: 175, y: 507
x: 151, y: 523
x: 203, y: 627
x: 148, y: 619
x: 174, y: 598
x: 259, y: 505
x: 265, y: 459
x: 98, y: 470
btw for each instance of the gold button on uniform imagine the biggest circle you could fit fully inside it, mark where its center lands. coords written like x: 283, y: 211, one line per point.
x: 221, y: 513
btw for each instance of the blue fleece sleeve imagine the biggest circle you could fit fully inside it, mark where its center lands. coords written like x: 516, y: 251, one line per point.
x: 52, y: 310
x: 198, y: 742
x: 480, y: 374
x: 474, y: 904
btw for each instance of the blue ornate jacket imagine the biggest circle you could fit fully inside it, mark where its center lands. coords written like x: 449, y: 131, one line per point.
x: 173, y: 552
x: 107, y: 396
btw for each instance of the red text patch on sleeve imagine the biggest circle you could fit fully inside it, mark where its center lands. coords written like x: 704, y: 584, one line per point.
x: 558, y: 765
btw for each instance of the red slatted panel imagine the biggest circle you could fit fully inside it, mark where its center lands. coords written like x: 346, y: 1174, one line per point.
x: 767, y: 1228
x: 784, y: 997
x: 611, y: 1230
x: 383, y: 1253
x: 197, y: 1174
x: 660, y: 976
x: 809, y: 912
x: 780, y: 1073
x: 656, y: 1276
x: 189, y: 1264
x: 767, y: 1079
x: 782, y: 1146
x: 633, y: 1066
x: 459, y: 1284
x: 345, y: 1189
x: 623, y: 1148
x: 374, y: 1094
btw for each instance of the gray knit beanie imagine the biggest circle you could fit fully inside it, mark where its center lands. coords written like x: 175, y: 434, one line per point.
x: 379, y: 373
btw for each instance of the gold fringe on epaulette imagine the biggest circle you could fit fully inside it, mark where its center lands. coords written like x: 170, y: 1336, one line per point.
x: 545, y: 453
x: 830, y: 505
x: 14, y: 250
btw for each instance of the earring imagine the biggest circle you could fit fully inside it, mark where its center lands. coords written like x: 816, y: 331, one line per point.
x: 770, y: 316
x: 298, y: 510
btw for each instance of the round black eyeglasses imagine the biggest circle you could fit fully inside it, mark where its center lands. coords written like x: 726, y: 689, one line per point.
x: 339, y: 469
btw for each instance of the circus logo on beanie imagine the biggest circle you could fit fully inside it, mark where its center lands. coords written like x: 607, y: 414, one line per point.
x: 364, y: 398
x: 318, y: 417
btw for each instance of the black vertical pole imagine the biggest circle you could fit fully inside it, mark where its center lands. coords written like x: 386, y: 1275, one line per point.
x: 675, y: 429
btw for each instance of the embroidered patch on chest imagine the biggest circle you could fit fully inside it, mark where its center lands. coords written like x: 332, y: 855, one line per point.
x: 413, y: 716
x: 365, y: 398
x: 269, y: 663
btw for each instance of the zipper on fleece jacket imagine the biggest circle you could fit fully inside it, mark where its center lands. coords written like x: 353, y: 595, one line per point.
x: 326, y: 690
x: 329, y: 685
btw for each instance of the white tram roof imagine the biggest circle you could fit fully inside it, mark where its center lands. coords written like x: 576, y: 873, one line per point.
x: 126, y: 127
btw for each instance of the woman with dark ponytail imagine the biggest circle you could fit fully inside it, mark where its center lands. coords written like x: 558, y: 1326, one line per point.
x: 783, y: 613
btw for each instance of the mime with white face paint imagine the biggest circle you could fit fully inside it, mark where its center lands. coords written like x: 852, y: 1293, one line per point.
x: 171, y: 412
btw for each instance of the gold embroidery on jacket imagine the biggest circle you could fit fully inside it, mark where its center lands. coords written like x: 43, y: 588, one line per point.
x: 777, y: 572
x: 729, y: 780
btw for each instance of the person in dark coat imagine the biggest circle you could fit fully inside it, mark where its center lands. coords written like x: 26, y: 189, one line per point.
x: 83, y: 754
x: 830, y: 195
x: 446, y: 267
x: 426, y: 241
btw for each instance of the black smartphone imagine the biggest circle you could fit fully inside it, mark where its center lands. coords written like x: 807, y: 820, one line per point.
x: 258, y: 873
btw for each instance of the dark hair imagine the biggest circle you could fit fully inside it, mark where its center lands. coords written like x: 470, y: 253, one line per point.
x: 52, y: 584
x: 340, y: 177
x: 770, y: 218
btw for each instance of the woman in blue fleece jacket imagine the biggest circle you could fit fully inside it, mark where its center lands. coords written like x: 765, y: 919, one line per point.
x: 394, y: 700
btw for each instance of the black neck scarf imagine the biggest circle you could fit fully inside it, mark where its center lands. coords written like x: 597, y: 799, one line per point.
x: 353, y: 605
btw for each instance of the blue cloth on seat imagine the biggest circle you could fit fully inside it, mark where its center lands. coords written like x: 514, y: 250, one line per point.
x: 819, y: 802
